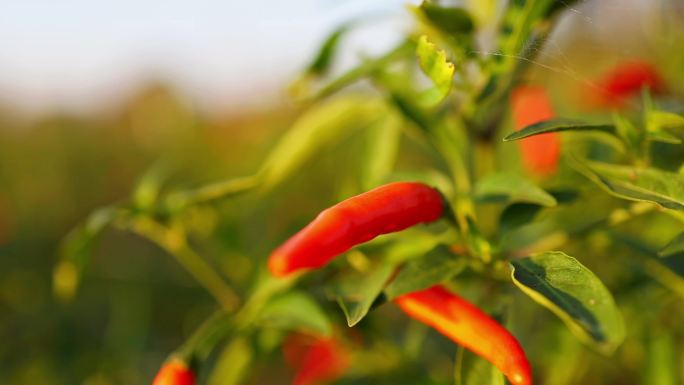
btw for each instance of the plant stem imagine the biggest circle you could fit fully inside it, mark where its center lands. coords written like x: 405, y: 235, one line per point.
x: 212, y: 192
x: 173, y: 240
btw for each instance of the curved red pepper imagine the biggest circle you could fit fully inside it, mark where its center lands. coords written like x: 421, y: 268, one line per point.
x: 385, y: 209
x: 540, y: 153
x: 469, y: 327
x: 316, y: 360
x: 174, y: 372
x: 625, y: 80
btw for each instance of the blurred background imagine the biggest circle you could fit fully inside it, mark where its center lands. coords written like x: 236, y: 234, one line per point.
x: 93, y: 93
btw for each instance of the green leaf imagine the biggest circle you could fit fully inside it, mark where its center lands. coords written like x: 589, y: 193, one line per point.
x: 232, y: 364
x: 662, y: 137
x: 572, y: 292
x: 323, y: 59
x: 366, y: 69
x: 437, y: 68
x: 382, y: 146
x: 356, y: 295
x: 437, y: 266
x: 636, y: 184
x: 674, y: 247
x: 450, y: 20
x: 510, y: 188
x: 75, y: 251
x: 471, y: 369
x: 657, y: 120
x: 295, y: 311
x: 557, y: 125
x: 322, y: 125
x: 518, y: 214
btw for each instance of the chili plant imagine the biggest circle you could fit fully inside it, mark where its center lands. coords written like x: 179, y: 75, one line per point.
x: 502, y: 202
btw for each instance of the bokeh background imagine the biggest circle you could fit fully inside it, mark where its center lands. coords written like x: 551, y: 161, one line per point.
x: 94, y: 93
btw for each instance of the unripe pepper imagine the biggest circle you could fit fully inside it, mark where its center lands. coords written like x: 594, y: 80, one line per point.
x: 469, y: 327
x: 174, y: 372
x: 540, y: 153
x: 385, y: 209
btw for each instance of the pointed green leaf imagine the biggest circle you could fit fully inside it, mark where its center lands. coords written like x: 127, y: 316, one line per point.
x: 572, y: 292
x: 637, y: 184
x: 295, y: 311
x: 450, y: 20
x: 558, y: 125
x: 356, y: 295
x: 674, y: 247
x: 437, y: 68
x: 437, y: 266
x: 326, y: 52
x: 322, y: 125
x: 510, y: 188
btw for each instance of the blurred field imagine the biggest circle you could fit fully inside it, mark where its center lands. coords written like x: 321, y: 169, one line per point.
x: 136, y: 304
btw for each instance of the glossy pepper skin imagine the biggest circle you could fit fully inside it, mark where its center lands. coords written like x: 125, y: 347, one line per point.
x: 626, y: 80
x: 316, y: 360
x: 385, y: 209
x: 540, y: 153
x: 174, y: 372
x: 469, y: 327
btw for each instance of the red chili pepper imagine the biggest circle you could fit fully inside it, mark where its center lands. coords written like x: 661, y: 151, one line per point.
x: 174, y: 372
x: 469, y: 327
x: 540, y: 153
x: 385, y: 209
x: 316, y: 360
x: 625, y: 80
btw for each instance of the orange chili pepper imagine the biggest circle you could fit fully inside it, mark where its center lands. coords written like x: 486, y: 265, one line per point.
x: 469, y: 327
x: 385, y: 209
x: 540, y: 153
x: 316, y: 360
x: 625, y: 80
x: 174, y: 372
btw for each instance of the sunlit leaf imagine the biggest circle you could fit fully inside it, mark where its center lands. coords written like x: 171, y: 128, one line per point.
x: 637, y: 184
x: 511, y: 188
x: 437, y: 68
x: 321, y: 126
x: 295, y: 311
x: 356, y: 294
x: 437, y: 266
x: 572, y: 292
x: 451, y: 20
x: 557, y: 125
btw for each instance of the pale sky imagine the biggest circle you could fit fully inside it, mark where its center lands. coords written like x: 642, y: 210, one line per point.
x: 81, y: 53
